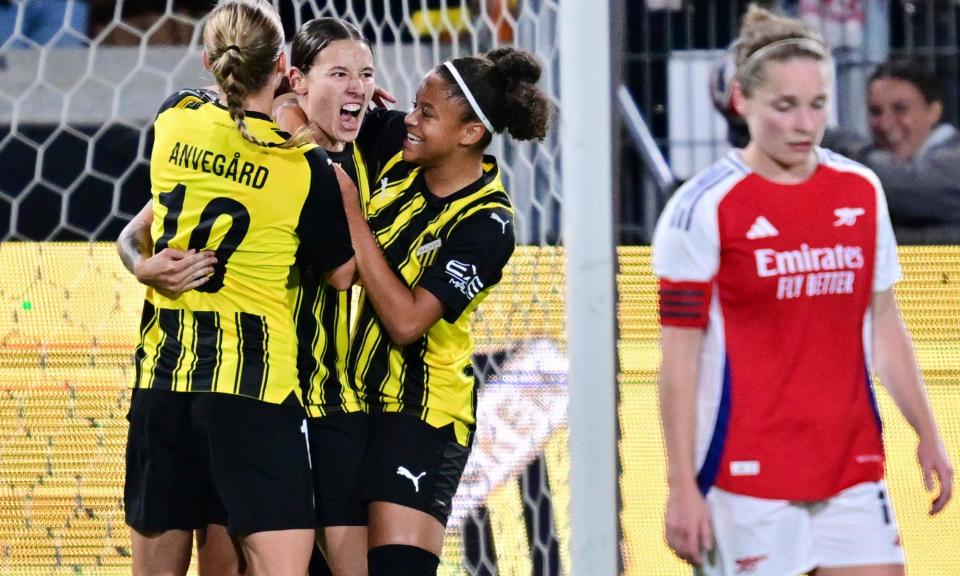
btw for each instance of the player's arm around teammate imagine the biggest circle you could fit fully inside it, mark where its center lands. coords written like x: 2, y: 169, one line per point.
x: 439, y: 234
x: 332, y: 83
x: 196, y: 454
x: 170, y: 272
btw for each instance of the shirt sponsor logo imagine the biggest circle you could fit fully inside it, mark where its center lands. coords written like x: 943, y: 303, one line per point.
x: 773, y: 263
x: 868, y: 458
x: 847, y: 216
x: 428, y: 247
x: 762, y: 228
x: 464, y: 277
x: 745, y: 468
x: 810, y: 271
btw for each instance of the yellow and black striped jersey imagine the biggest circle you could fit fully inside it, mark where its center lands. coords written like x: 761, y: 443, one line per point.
x: 261, y: 209
x: 455, y: 247
x: 323, y: 313
x: 323, y: 325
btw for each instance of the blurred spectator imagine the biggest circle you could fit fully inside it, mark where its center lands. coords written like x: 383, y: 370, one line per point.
x: 916, y: 156
x: 62, y: 23
x: 126, y: 23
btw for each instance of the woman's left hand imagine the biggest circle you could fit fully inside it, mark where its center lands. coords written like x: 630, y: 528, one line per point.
x: 935, y: 462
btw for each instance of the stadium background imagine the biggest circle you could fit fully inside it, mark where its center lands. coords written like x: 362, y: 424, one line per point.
x: 73, y: 121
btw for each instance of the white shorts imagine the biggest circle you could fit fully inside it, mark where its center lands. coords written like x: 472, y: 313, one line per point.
x: 762, y: 537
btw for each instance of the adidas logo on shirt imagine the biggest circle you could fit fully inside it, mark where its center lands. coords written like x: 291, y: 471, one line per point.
x: 762, y: 228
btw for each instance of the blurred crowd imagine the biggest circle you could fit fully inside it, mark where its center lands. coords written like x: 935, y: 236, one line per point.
x: 74, y: 23
x: 913, y: 150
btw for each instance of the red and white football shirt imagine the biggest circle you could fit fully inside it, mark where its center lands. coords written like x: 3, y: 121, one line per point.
x: 781, y: 278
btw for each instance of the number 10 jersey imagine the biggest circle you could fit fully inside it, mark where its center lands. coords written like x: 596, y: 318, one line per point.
x: 261, y: 210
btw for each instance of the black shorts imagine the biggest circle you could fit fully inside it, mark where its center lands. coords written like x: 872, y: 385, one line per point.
x: 411, y: 463
x: 337, y: 445
x: 209, y: 458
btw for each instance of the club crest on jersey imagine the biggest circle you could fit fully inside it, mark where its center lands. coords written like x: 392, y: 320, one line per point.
x: 464, y: 277
x: 847, y: 216
x: 428, y: 246
x: 762, y: 228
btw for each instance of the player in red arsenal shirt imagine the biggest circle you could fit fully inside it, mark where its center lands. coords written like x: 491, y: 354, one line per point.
x: 776, y: 269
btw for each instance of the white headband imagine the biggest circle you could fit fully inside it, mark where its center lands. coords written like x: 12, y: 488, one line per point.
x: 808, y: 44
x: 466, y: 92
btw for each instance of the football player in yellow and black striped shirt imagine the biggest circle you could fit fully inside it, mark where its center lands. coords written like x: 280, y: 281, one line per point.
x: 437, y: 235
x: 332, y: 82
x: 217, y: 433
x: 332, y: 79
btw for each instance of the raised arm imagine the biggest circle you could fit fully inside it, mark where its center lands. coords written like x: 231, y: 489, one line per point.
x: 896, y: 364
x: 170, y: 272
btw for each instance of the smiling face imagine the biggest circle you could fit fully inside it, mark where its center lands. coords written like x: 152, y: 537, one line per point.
x: 435, y: 129
x: 336, y: 90
x: 900, y: 117
x: 787, y: 114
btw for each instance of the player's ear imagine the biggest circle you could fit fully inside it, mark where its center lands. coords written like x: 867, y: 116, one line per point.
x: 472, y: 133
x: 205, y: 58
x: 298, y: 81
x: 737, y: 98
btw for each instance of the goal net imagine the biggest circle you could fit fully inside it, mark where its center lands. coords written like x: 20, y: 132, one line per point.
x: 80, y: 83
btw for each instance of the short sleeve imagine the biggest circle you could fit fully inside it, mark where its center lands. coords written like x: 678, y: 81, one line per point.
x: 686, y: 240
x: 886, y: 267
x: 324, y: 235
x: 470, y: 261
x: 188, y: 97
x: 179, y: 99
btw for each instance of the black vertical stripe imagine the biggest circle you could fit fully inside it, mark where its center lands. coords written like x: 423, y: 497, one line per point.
x: 474, y: 397
x: 266, y: 367
x: 253, y: 342
x: 356, y: 363
x: 371, y: 369
x: 884, y: 508
x: 328, y: 311
x: 190, y: 353
x: 171, y: 349
x: 208, y: 340
x: 306, y: 337
x: 239, y: 371
x: 147, y: 318
x: 413, y: 377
